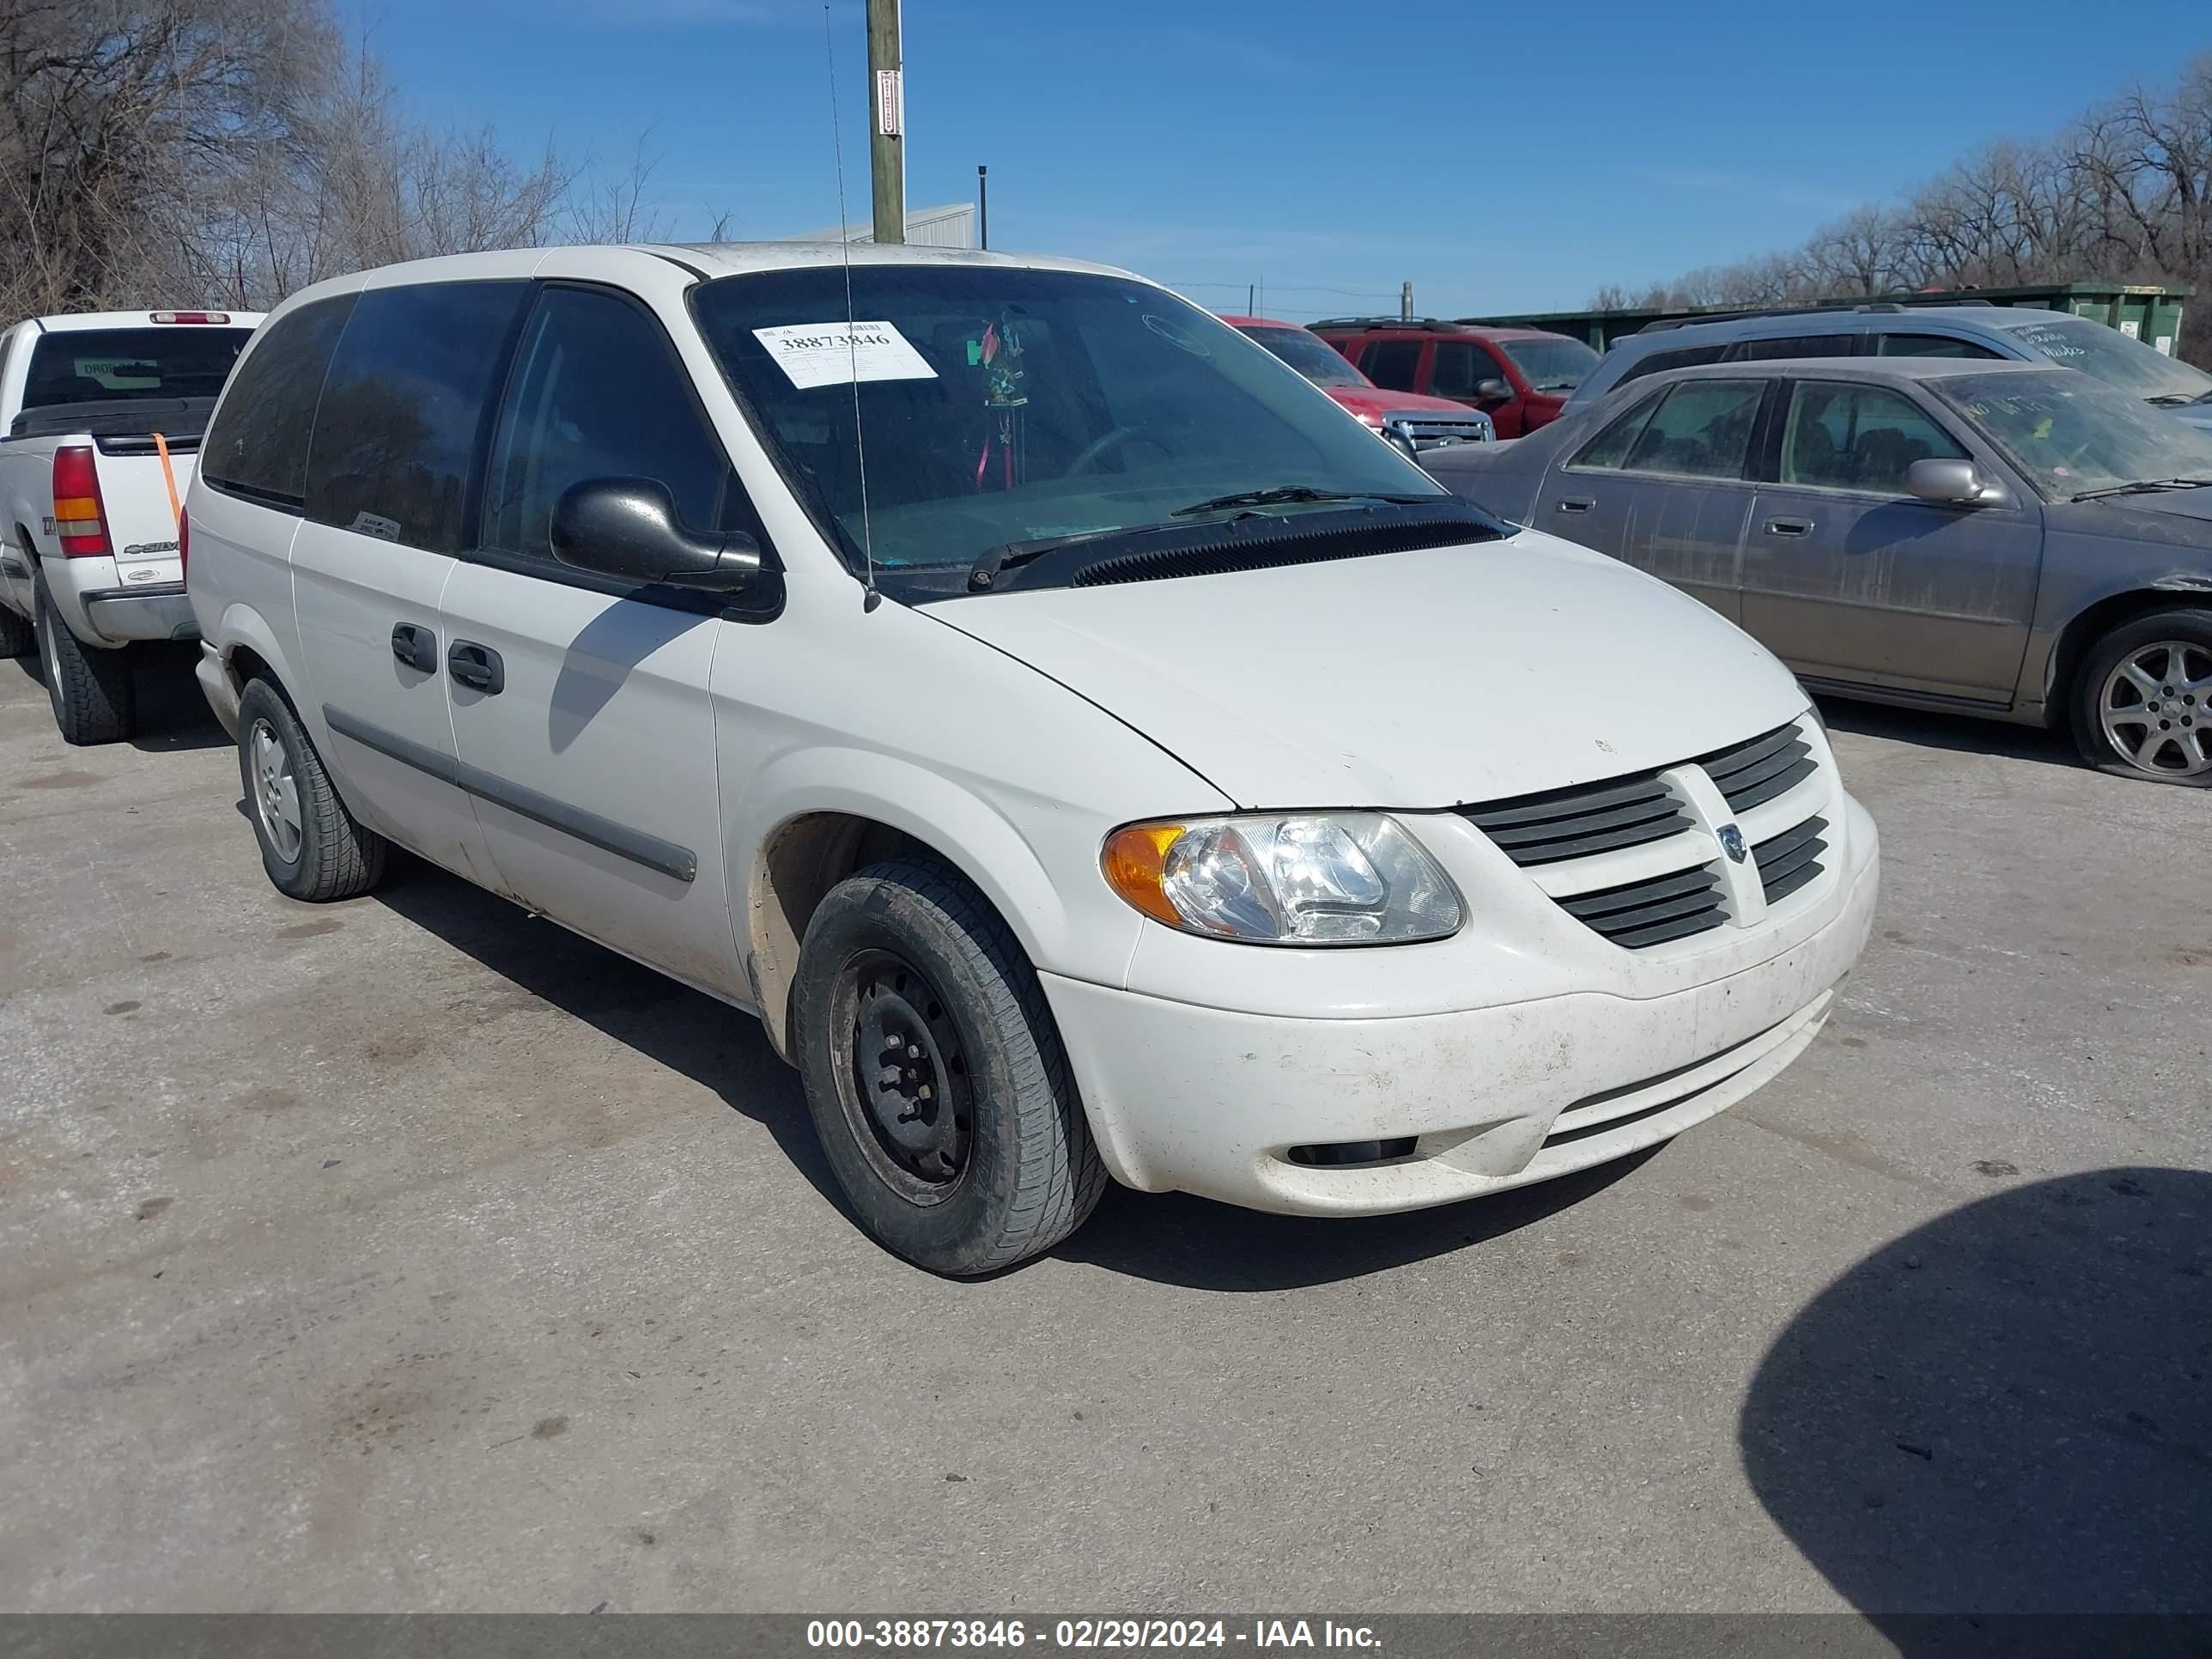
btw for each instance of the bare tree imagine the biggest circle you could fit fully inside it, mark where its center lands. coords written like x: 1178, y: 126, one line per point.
x: 2122, y: 194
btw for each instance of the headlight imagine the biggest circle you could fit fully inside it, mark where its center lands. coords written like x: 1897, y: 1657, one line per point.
x: 1302, y: 878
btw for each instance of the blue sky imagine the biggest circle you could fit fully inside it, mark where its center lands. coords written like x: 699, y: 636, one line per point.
x: 1506, y: 158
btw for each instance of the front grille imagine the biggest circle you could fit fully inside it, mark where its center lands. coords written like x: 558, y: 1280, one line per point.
x: 1572, y: 823
x: 1751, y: 774
x: 1651, y: 912
x: 1577, y: 830
x: 1435, y: 431
x: 1791, y: 859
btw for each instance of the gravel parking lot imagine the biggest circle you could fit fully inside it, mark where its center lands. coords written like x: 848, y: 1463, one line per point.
x: 410, y: 1252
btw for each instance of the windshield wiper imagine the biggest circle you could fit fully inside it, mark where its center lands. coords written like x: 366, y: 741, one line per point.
x: 1007, y: 555
x: 2143, y: 487
x: 1287, y: 493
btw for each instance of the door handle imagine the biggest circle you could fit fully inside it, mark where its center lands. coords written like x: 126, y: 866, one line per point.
x: 416, y: 646
x: 1788, y: 526
x: 477, y: 667
x: 1577, y: 503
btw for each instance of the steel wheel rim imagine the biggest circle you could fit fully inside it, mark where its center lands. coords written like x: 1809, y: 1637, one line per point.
x: 2156, y: 709
x: 275, y: 793
x: 903, y: 1077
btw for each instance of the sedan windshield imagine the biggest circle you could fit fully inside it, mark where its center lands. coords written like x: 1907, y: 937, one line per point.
x: 2106, y: 354
x: 998, y: 406
x: 2075, y: 437
x: 1311, y: 355
x: 1555, y: 364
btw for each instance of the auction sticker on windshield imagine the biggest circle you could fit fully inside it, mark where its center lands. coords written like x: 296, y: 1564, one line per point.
x: 838, y: 353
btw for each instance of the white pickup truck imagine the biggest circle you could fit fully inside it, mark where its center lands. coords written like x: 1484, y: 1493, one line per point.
x: 100, y: 418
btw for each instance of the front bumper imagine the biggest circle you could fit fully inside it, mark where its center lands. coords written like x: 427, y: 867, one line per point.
x: 118, y: 615
x: 1210, y: 1100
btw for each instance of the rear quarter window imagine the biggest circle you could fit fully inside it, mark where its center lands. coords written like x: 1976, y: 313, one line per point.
x: 258, y: 446
x: 408, y: 390
x: 1680, y: 357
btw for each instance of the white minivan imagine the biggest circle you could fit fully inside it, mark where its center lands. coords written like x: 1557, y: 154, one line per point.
x: 1085, y: 748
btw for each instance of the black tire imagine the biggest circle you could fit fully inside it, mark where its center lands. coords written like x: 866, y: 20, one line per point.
x: 1014, y: 1171
x: 335, y: 858
x: 2169, y: 721
x: 94, y: 692
x: 18, y: 636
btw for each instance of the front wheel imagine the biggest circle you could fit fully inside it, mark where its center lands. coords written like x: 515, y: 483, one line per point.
x: 2143, y: 704
x: 935, y: 1075
x: 310, y: 845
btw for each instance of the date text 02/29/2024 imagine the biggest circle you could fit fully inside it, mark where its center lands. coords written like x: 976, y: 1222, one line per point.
x: 1073, y: 1634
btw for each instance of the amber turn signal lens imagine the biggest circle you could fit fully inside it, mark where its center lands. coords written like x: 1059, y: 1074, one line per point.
x: 1135, y: 863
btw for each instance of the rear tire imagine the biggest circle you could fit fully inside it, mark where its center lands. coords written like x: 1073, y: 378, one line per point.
x: 2142, y: 702
x: 94, y: 692
x: 310, y: 845
x: 935, y: 1075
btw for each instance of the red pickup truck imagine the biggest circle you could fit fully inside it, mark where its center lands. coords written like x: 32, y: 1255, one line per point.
x: 1417, y: 422
x: 1521, y: 378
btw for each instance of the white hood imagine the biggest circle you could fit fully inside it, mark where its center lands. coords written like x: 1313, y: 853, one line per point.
x: 1410, y: 680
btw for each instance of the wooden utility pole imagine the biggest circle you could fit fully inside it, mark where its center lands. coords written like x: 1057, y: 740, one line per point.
x: 887, y: 123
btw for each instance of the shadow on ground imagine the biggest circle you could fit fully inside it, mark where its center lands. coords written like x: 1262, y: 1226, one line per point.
x: 713, y: 1044
x: 2008, y: 1410
x: 1176, y: 1239
x: 173, y: 711
x: 1172, y: 1238
x: 1960, y: 733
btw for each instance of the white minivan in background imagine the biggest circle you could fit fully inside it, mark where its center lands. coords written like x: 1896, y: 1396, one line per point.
x: 1084, y: 747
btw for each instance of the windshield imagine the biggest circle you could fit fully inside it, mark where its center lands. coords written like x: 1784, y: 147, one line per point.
x: 1000, y: 405
x: 2106, y: 354
x: 113, y: 365
x: 2072, y: 436
x: 1557, y: 364
x: 1311, y: 355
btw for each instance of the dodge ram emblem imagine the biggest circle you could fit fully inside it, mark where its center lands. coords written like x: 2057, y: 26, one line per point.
x: 1732, y: 844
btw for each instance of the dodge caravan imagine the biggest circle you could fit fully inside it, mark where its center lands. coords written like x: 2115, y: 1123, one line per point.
x: 1086, y: 752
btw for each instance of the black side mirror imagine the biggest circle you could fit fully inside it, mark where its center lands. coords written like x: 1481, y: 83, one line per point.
x: 626, y: 528
x: 1491, y: 391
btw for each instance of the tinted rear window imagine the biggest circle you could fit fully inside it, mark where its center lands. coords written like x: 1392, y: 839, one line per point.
x: 1393, y: 363
x: 259, y: 445
x: 114, y: 365
x: 1797, y: 345
x: 1681, y: 357
x: 402, y: 409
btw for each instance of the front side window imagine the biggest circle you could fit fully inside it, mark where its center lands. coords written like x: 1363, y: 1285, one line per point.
x: 2073, y: 436
x: 1311, y: 355
x: 1393, y: 363
x: 998, y: 407
x: 1697, y: 429
x: 1458, y: 368
x: 597, y: 392
x: 258, y: 446
x: 117, y: 365
x: 1551, y: 364
x: 406, y: 396
x: 1859, y: 437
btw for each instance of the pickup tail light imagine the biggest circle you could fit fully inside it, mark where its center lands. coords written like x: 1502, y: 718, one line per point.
x: 79, y: 519
x: 183, y: 541
x: 190, y: 316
